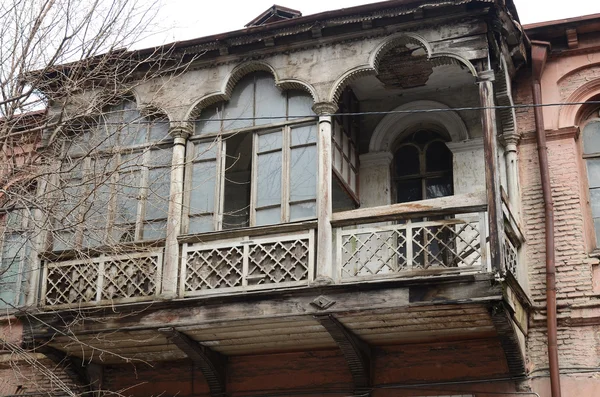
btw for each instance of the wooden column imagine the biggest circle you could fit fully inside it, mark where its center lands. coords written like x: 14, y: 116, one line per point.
x: 324, y: 257
x: 492, y: 174
x: 512, y: 171
x: 171, y: 259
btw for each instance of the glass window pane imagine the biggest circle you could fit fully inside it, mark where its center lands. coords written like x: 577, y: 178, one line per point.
x: 407, y: 161
x: 157, y: 202
x: 407, y: 191
x: 201, y: 224
x: 270, y: 101
x: 593, y: 171
x: 63, y: 240
x: 127, y: 190
x: 299, y: 104
x: 595, y: 202
x: 97, y: 215
x: 160, y: 158
x: 438, y: 157
x: 155, y: 230
x: 205, y: 151
x: 270, y: 141
x: 591, y: 137
x: 268, y: 177
x: 439, y: 187
x: 268, y: 216
x: 159, y: 129
x: 209, y: 120
x: 134, y: 132
x: 303, y: 210
x: 305, y: 134
x: 241, y: 105
x: 203, y: 187
x: 303, y: 173
x: 14, y: 245
x: 92, y: 237
x: 597, y: 227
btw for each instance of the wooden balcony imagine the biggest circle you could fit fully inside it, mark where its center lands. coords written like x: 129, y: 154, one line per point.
x: 416, y: 273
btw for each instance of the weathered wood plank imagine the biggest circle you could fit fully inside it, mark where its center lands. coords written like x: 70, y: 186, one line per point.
x: 459, y: 204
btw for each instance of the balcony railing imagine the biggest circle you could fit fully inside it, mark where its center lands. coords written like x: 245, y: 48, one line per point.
x: 454, y: 245
x: 441, y: 236
x: 102, y: 280
x: 247, y: 263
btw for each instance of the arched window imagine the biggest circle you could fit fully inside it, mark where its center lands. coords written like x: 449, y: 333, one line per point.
x: 422, y: 167
x: 253, y: 159
x: 591, y: 154
x: 115, y: 180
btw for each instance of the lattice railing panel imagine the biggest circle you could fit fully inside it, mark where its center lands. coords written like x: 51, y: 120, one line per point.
x: 73, y: 283
x: 247, y: 264
x: 442, y: 245
x: 105, y: 279
x: 510, y: 256
x: 130, y: 277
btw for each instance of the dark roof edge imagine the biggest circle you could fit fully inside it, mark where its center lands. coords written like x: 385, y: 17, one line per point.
x: 559, y: 22
x: 322, y: 17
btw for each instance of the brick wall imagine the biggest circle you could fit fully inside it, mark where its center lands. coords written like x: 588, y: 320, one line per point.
x: 579, y: 345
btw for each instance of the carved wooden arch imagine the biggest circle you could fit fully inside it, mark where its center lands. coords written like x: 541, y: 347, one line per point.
x: 391, y: 128
x: 568, y: 115
x: 390, y: 42
x: 224, y: 94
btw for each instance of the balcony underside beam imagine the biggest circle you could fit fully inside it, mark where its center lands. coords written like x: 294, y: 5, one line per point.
x: 87, y: 375
x: 356, y: 352
x: 507, y: 335
x: 212, y: 364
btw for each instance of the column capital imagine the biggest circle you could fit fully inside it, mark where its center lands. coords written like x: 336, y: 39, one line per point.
x: 465, y: 146
x: 486, y: 76
x: 510, y: 141
x: 376, y: 159
x: 180, y: 133
x: 325, y: 108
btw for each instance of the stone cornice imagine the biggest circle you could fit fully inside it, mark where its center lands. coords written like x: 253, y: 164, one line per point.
x: 552, y: 135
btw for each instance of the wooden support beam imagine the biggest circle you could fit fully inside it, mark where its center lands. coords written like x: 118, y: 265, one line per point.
x: 492, y: 173
x: 507, y: 333
x: 356, y: 351
x: 86, y: 375
x: 211, y: 364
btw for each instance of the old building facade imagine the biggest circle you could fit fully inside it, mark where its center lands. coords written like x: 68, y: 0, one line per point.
x: 343, y: 203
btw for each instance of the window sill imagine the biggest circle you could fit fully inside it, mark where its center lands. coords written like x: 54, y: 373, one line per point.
x: 248, y: 232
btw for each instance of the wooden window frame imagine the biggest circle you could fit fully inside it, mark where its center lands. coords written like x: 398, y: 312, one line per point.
x: 111, y: 177
x: 586, y: 157
x: 220, y: 141
x: 24, y: 253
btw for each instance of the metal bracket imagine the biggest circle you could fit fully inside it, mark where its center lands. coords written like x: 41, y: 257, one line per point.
x: 356, y: 352
x: 212, y: 364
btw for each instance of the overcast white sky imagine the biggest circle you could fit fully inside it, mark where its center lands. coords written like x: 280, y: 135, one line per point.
x: 188, y: 19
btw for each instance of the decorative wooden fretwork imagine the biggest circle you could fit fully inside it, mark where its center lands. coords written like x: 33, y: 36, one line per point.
x: 247, y: 264
x: 453, y: 245
x: 510, y: 256
x: 105, y: 279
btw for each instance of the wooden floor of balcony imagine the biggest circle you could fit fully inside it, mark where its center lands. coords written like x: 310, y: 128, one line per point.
x: 449, y: 308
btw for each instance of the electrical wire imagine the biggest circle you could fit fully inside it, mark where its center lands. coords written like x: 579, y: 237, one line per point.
x: 371, y: 113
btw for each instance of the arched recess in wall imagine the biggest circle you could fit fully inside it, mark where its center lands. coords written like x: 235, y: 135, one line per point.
x: 569, y: 115
x: 396, y: 125
x: 389, y: 43
x: 238, y: 73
